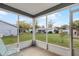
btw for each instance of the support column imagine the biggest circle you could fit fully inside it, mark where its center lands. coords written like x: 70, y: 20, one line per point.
x: 34, y: 41
x: 18, y: 46
x: 46, y: 33
x: 71, y: 33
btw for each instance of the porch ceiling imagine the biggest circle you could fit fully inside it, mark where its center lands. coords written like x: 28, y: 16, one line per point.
x: 33, y: 9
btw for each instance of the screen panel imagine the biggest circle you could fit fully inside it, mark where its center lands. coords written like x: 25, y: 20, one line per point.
x: 76, y: 33
x: 25, y: 28
x: 58, y: 28
x: 8, y: 32
x: 40, y: 28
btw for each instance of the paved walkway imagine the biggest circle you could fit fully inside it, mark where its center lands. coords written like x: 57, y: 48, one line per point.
x: 35, y: 51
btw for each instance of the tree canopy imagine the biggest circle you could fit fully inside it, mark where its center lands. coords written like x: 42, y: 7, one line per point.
x: 76, y: 24
x: 24, y: 25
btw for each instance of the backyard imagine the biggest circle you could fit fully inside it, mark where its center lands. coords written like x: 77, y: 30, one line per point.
x: 13, y: 39
x: 52, y: 38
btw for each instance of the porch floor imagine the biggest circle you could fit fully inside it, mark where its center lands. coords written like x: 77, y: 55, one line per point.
x: 35, y: 51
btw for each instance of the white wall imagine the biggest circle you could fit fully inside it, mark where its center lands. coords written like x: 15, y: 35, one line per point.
x: 23, y: 45
x: 54, y: 48
x: 59, y: 49
x: 41, y: 44
x: 7, y: 29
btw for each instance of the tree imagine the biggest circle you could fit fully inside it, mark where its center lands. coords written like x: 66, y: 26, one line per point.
x: 36, y: 25
x: 76, y: 24
x: 23, y: 25
x: 50, y: 24
x: 62, y: 33
x: 64, y: 27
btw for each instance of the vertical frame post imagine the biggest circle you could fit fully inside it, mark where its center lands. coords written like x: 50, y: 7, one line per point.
x: 18, y: 46
x: 46, y: 33
x: 71, y: 33
x: 34, y: 41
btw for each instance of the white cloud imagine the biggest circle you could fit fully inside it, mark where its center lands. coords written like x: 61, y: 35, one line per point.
x: 3, y: 13
x: 54, y: 16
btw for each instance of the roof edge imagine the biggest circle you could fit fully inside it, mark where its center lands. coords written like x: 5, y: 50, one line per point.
x: 8, y: 23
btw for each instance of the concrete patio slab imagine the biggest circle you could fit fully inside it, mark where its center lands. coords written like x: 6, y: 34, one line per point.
x: 35, y: 51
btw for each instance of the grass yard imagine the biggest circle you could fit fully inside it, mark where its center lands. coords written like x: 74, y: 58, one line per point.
x: 9, y: 39
x: 52, y: 38
x: 41, y: 36
x: 25, y: 36
x: 59, y: 40
x: 13, y: 39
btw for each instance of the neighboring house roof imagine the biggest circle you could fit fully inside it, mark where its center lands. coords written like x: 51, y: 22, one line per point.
x: 8, y: 23
x: 41, y: 28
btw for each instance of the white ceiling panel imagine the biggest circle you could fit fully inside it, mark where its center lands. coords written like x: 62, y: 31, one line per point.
x: 32, y: 8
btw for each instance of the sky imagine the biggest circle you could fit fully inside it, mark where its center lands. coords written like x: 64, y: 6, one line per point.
x: 58, y: 18
x: 12, y: 18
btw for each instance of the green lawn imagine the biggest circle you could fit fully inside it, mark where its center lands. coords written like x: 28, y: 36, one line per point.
x: 52, y: 38
x: 13, y: 39
x: 25, y: 36
x: 41, y: 36
x: 9, y: 39
x: 57, y: 39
